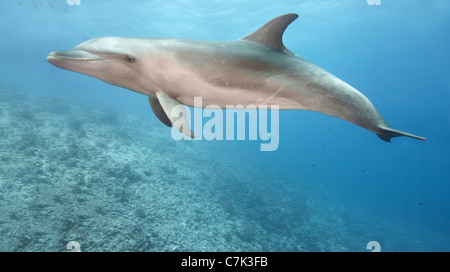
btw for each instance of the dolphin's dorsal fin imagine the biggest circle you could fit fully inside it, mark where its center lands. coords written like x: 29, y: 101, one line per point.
x: 271, y: 34
x: 170, y: 112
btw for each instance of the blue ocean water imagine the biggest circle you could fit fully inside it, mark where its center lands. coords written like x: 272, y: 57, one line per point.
x: 85, y: 161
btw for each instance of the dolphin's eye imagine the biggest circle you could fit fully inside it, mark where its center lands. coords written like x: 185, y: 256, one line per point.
x: 130, y: 58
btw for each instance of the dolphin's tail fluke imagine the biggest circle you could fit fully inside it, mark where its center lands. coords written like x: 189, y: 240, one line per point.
x: 386, y: 133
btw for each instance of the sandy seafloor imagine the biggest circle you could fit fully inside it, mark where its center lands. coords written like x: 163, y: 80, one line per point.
x: 116, y: 182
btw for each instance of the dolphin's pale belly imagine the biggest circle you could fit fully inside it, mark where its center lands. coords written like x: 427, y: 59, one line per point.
x: 231, y: 91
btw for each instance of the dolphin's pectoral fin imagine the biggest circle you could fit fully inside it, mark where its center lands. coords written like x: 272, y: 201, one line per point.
x: 174, y: 112
x: 271, y: 34
x: 158, y: 110
x: 387, y: 133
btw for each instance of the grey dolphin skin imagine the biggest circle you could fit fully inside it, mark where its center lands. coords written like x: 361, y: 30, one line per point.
x: 254, y: 70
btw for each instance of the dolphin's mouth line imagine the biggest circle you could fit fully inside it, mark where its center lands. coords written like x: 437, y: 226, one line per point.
x: 75, y: 55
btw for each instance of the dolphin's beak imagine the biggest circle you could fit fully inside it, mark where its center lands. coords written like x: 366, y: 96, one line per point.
x: 73, y: 60
x: 76, y: 55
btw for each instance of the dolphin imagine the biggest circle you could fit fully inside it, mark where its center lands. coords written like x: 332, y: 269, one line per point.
x: 255, y: 70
